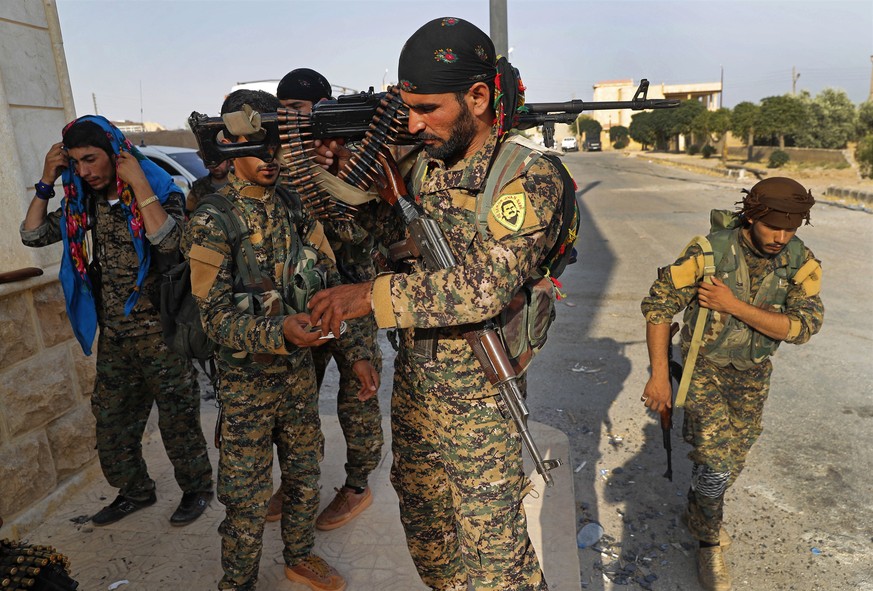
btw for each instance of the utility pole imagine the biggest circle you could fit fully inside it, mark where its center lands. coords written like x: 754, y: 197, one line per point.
x: 721, y: 89
x: 94, y: 98
x: 870, y: 98
x: 499, y: 34
x: 794, y: 76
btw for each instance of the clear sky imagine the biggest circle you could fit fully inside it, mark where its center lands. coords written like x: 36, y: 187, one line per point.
x: 171, y: 57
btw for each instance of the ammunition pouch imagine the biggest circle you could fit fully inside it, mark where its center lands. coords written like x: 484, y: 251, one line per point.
x: 524, y: 323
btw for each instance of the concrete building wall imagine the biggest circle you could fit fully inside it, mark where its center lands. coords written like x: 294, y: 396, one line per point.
x: 46, y: 426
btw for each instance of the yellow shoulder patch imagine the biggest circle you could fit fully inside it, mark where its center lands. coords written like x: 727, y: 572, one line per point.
x: 511, y: 211
x: 687, y: 273
x: 205, y: 264
x: 809, y: 277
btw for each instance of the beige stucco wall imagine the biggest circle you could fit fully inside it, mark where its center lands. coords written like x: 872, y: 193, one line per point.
x: 46, y: 427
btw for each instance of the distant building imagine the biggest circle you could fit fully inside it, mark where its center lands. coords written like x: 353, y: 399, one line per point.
x: 126, y: 127
x: 708, y: 93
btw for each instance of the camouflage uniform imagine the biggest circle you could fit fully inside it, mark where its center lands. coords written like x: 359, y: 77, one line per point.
x: 131, y: 350
x: 262, y: 402
x: 200, y: 189
x: 725, y: 403
x: 457, y: 459
x: 361, y: 422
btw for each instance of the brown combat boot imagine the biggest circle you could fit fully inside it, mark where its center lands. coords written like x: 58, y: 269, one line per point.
x: 345, y: 506
x: 314, y: 572
x: 274, y: 509
x: 724, y: 538
x: 712, y: 572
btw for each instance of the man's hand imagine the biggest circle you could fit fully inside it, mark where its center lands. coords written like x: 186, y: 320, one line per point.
x: 332, y: 154
x: 658, y: 394
x: 716, y: 296
x: 129, y: 171
x: 369, y: 378
x: 295, y: 330
x: 335, y: 304
x: 56, y: 161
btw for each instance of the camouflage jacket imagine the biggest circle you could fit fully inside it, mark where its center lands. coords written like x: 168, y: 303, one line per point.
x: 119, y: 265
x: 676, y: 288
x: 489, y: 270
x: 212, y: 273
x: 200, y: 189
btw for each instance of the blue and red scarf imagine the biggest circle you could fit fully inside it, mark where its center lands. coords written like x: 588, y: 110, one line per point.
x: 75, y: 223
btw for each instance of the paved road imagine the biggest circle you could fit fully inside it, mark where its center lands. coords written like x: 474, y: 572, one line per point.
x: 811, y: 472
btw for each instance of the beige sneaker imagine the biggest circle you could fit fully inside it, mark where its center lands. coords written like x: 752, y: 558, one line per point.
x: 274, y: 509
x: 345, y: 506
x: 712, y: 572
x: 316, y: 573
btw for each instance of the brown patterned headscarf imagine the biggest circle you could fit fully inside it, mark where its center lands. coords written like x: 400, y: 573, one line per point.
x: 779, y: 202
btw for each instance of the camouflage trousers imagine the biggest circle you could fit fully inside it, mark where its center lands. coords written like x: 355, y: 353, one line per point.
x: 458, y: 474
x: 133, y: 373
x: 723, y: 419
x: 361, y: 422
x: 262, y: 405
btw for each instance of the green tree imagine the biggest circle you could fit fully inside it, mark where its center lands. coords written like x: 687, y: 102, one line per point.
x: 585, y: 125
x: 684, y: 116
x: 865, y: 119
x: 618, y: 136
x: 831, y: 120
x: 642, y: 129
x: 712, y: 127
x: 864, y: 150
x: 744, y: 121
x: 864, y: 155
x: 782, y: 116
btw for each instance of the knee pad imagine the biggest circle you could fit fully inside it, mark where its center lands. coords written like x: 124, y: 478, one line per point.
x: 708, y: 483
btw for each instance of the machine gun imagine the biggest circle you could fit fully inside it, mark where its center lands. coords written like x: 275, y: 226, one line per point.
x: 547, y: 114
x: 357, y: 116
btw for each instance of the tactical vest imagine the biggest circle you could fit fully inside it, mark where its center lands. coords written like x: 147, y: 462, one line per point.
x: 726, y: 340
x: 525, y: 321
x: 252, y: 291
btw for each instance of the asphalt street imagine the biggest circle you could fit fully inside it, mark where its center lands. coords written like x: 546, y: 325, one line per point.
x: 801, y: 513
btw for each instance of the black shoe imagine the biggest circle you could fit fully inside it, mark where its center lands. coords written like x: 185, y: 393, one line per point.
x: 191, y: 507
x: 120, y: 508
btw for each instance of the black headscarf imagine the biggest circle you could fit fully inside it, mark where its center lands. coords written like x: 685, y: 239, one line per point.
x: 303, y: 84
x: 449, y: 55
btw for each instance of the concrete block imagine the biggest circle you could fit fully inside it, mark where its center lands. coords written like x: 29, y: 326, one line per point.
x: 51, y: 314
x: 23, y: 11
x: 37, y: 391
x: 17, y: 334
x: 85, y: 368
x: 27, y: 473
x: 71, y: 440
x: 29, y: 73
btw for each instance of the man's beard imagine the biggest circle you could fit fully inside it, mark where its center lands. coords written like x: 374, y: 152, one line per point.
x: 461, y: 136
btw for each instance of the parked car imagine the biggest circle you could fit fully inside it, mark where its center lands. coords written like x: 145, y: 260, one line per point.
x: 183, y: 164
x: 569, y: 144
x: 593, y: 146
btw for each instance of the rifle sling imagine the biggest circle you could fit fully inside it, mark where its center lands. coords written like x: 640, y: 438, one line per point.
x: 699, y: 324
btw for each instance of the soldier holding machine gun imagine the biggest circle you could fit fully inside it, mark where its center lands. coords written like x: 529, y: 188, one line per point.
x: 457, y: 461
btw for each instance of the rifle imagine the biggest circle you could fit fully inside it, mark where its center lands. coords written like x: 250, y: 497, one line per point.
x: 352, y: 117
x: 427, y: 240
x: 667, y: 412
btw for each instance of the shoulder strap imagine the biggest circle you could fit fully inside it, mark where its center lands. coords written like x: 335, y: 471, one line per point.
x: 224, y: 211
x: 699, y: 323
x: 513, y: 158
